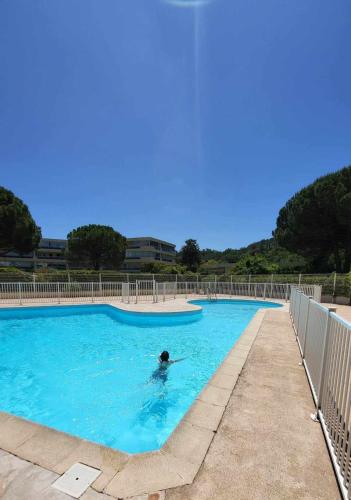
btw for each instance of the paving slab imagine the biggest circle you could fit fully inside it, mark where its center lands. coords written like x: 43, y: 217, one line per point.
x: 14, y: 432
x: 215, y: 395
x: 11, y: 468
x: 204, y: 415
x: 47, y: 447
x: 223, y: 380
x: 91, y: 494
x: 159, y: 471
x: 191, y: 444
x: 20, y: 479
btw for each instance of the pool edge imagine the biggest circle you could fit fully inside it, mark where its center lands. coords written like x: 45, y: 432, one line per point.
x: 124, y: 475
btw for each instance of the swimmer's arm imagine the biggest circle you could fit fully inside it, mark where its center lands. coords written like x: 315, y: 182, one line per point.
x: 177, y: 360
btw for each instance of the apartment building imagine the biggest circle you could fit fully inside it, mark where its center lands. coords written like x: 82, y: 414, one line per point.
x: 51, y: 254
x: 146, y: 250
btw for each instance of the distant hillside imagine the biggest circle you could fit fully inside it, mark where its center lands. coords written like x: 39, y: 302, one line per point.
x: 262, y: 256
x: 232, y: 255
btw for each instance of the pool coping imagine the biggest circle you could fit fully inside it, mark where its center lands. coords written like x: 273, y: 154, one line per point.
x: 125, y: 475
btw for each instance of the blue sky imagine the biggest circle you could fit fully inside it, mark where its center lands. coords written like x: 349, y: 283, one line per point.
x: 171, y: 120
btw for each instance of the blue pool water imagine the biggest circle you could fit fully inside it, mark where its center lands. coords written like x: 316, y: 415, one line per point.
x: 91, y: 371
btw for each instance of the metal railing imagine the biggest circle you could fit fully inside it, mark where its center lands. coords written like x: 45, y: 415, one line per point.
x: 21, y: 293
x: 140, y: 291
x: 324, y: 339
x: 335, y: 285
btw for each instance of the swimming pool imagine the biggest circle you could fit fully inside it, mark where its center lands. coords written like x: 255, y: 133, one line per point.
x: 91, y: 371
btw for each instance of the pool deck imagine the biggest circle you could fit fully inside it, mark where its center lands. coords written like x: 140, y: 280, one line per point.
x: 248, y: 435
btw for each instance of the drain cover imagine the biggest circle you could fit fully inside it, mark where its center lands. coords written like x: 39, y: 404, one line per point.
x: 76, y: 480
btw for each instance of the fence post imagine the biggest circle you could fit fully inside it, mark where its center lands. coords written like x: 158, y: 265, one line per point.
x: 100, y: 286
x: 272, y: 277
x: 58, y: 292
x: 20, y: 293
x: 334, y: 287
x: 175, y: 290
x: 164, y: 294
x: 186, y: 289
x: 154, y: 290
x: 128, y: 287
x: 136, y: 291
x: 231, y: 285
x: 317, y: 293
x: 34, y: 285
x: 264, y: 291
x: 299, y: 279
x: 249, y: 293
x: 298, y: 315
x: 92, y: 291
x: 306, y: 331
x: 325, y: 348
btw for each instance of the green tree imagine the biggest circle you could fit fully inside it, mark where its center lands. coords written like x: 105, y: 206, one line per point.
x: 348, y: 286
x: 190, y: 255
x: 254, y: 264
x: 287, y: 262
x: 163, y: 268
x: 231, y: 255
x: 18, y: 231
x: 210, y: 254
x: 316, y: 222
x: 96, y: 246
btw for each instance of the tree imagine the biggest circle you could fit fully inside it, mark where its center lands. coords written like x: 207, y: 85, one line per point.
x: 18, y: 231
x: 210, y: 254
x: 348, y: 286
x: 287, y: 262
x: 96, y: 246
x: 316, y: 222
x: 254, y: 264
x: 190, y: 255
x: 212, y: 266
x: 163, y: 268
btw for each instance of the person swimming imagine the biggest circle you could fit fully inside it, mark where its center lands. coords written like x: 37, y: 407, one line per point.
x: 160, y: 374
x: 164, y: 360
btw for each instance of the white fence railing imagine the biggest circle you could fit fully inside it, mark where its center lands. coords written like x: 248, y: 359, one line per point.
x: 325, y: 344
x: 140, y: 291
x: 21, y: 293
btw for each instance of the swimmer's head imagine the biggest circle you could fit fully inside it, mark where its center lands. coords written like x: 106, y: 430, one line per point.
x: 164, y: 356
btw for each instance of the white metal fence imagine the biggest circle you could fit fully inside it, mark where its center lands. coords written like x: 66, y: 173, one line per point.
x: 140, y: 291
x: 325, y: 344
x: 22, y: 293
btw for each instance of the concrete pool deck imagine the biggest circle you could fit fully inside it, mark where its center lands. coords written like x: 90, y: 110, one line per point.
x: 248, y: 435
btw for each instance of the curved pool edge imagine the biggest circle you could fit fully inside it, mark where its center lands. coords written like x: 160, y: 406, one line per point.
x: 183, y: 307
x: 175, y: 464
x: 228, y: 300
x: 190, y: 304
